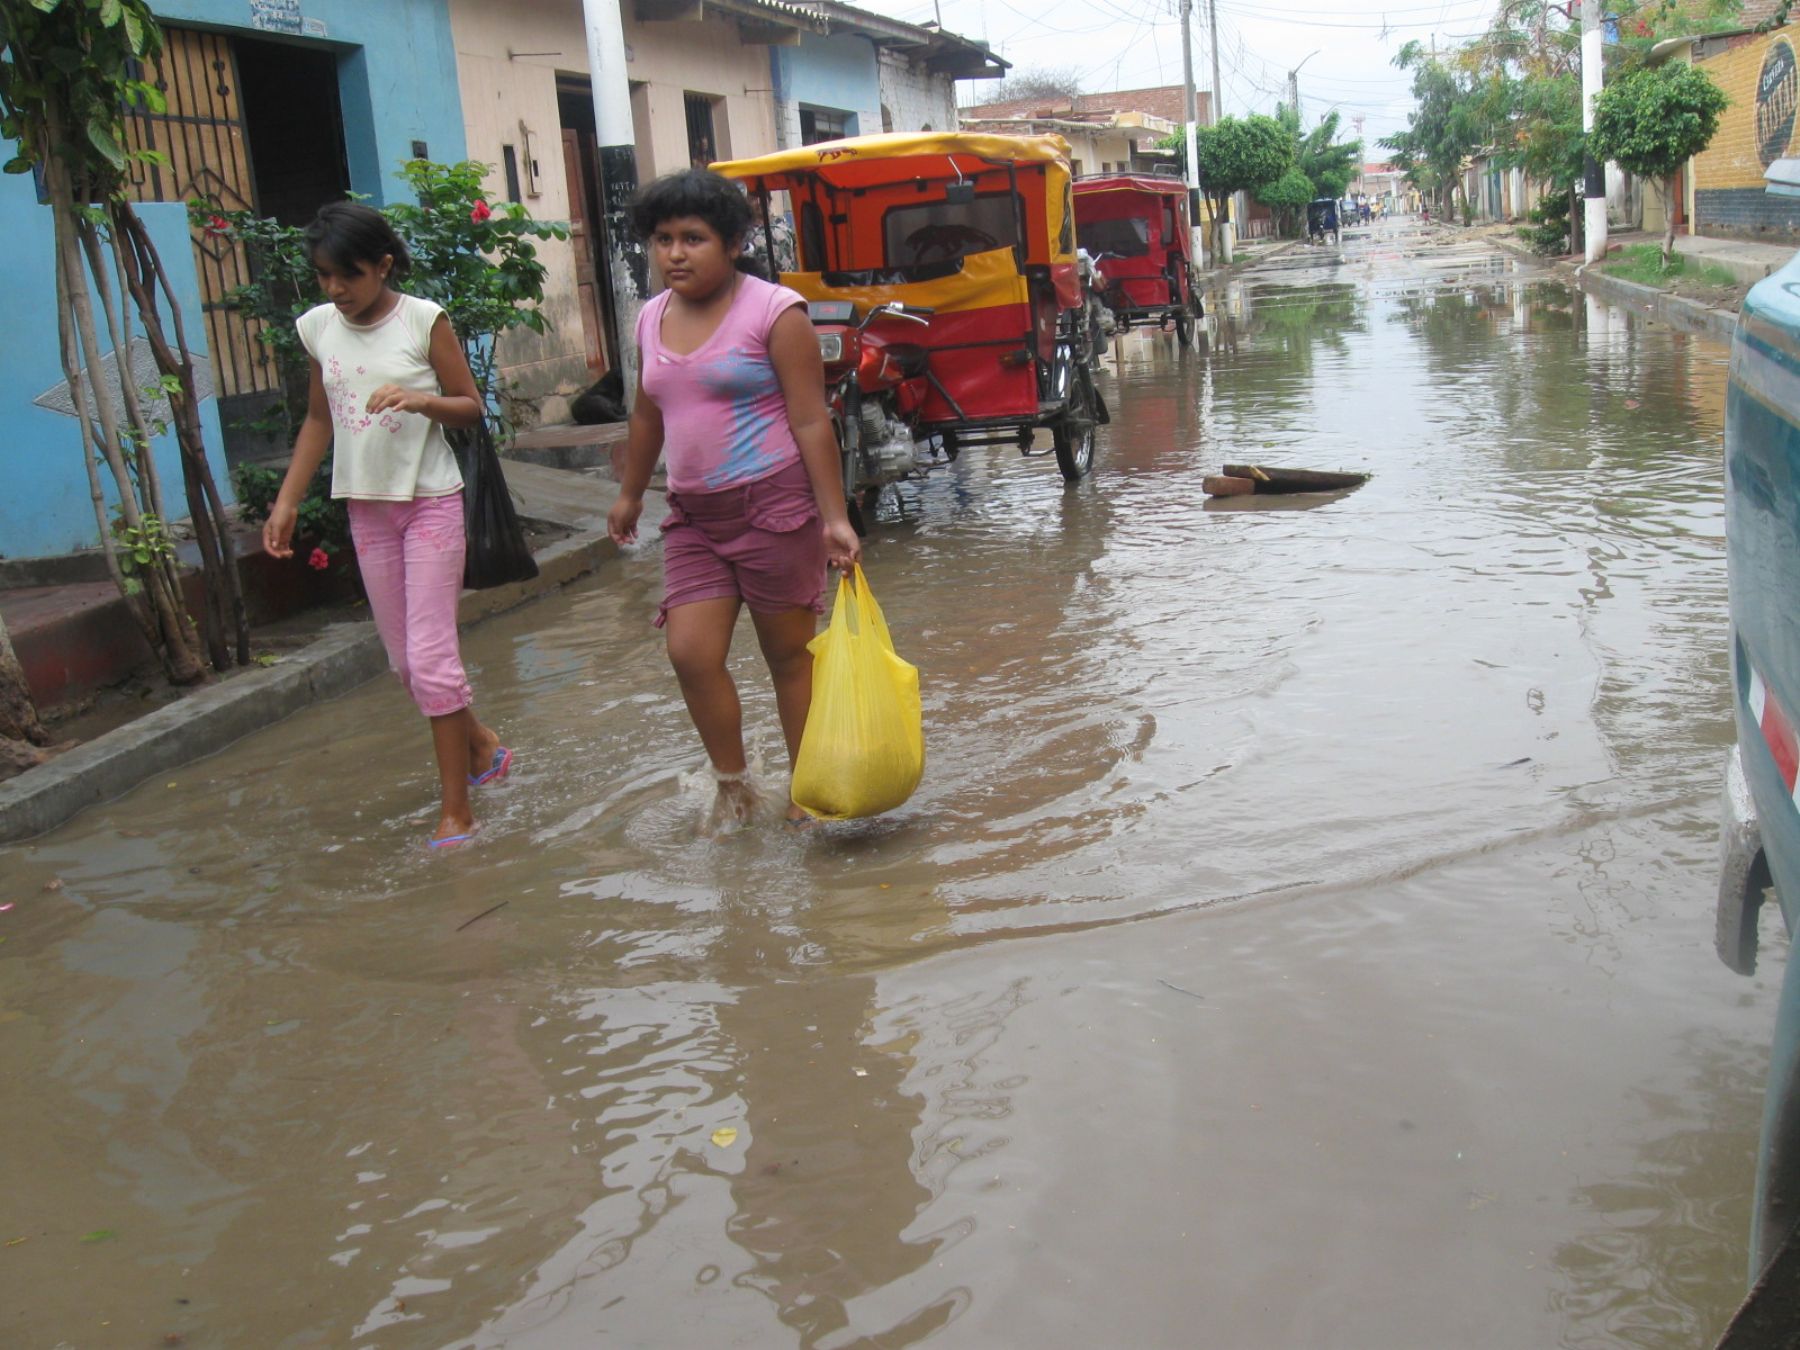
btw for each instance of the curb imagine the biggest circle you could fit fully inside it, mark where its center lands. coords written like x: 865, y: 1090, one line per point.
x: 1690, y: 316
x: 1233, y: 268
x: 193, y: 727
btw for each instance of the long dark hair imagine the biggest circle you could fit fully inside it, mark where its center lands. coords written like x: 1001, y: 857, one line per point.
x: 348, y: 234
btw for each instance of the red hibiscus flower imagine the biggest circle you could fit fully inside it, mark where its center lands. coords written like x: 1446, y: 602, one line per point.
x: 479, y: 212
x: 319, y: 560
x: 217, y: 225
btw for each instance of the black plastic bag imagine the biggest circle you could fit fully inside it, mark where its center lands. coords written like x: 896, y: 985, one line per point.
x: 498, y: 553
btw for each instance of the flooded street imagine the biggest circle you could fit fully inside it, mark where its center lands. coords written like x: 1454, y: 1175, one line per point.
x: 1302, y: 936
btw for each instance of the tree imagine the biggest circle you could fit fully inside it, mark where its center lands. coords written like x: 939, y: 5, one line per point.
x: 1047, y: 82
x: 1328, y: 163
x: 1240, y: 155
x: 69, y: 73
x: 1446, y: 128
x: 1652, y: 120
x: 1287, y: 196
x: 21, y: 734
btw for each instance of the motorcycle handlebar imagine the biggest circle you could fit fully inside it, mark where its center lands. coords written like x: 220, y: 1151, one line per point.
x: 894, y: 309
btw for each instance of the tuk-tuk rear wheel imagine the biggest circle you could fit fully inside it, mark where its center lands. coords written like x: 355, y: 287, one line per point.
x: 1072, y: 433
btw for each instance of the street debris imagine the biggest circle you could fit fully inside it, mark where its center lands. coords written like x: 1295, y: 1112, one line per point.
x: 1239, y: 480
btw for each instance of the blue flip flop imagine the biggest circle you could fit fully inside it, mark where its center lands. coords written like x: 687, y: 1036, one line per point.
x: 496, y: 771
x: 451, y: 839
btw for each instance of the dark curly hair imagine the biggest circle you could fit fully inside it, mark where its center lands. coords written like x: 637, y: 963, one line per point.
x: 348, y: 234
x: 692, y: 192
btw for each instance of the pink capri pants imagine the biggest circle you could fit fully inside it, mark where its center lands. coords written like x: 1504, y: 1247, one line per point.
x: 411, y: 557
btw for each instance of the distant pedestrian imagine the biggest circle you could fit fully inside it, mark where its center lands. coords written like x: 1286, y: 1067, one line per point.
x: 388, y: 375
x: 733, y: 390
x: 759, y: 236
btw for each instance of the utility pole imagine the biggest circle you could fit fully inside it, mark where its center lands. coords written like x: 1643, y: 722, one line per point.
x: 1294, y: 90
x: 1218, y: 93
x: 624, y: 271
x: 1190, y: 133
x: 1592, y: 73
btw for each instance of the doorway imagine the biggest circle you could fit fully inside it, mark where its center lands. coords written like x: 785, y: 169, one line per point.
x: 248, y: 125
x: 587, y: 223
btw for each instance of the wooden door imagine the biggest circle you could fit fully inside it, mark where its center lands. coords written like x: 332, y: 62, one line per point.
x: 583, y: 240
x: 201, y: 134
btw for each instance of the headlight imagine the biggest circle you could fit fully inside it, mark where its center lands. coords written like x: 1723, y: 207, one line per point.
x: 831, y: 346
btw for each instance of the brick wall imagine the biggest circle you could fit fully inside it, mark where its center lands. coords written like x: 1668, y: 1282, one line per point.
x: 913, y: 98
x: 1747, y: 212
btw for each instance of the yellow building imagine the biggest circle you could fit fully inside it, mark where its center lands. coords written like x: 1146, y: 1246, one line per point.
x: 1722, y: 190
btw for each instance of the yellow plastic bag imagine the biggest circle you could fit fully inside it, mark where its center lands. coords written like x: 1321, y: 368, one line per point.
x: 863, y: 750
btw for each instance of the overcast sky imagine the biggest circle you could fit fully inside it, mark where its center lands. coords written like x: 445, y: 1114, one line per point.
x: 1127, y: 44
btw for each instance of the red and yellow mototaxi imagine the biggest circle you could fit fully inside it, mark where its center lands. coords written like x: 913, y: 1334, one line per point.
x: 1135, y: 228
x: 940, y: 269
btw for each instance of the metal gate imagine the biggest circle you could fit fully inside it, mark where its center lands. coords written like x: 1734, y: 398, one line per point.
x: 201, y: 133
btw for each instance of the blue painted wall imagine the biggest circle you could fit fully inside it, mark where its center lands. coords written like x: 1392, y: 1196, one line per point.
x: 47, y: 507
x: 397, y: 82
x: 831, y: 72
x: 396, y: 76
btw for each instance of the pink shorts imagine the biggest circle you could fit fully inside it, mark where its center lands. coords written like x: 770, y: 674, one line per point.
x: 761, y: 542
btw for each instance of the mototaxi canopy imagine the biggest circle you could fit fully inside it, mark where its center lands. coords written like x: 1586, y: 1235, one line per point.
x: 845, y: 193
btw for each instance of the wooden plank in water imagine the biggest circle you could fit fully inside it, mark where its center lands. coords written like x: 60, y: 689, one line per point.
x: 1269, y: 479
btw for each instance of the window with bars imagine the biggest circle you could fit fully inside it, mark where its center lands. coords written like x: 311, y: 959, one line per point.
x: 703, y: 141
x: 825, y: 124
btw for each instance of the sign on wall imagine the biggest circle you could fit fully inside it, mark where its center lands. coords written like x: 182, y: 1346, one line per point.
x: 276, y: 16
x: 1777, y: 92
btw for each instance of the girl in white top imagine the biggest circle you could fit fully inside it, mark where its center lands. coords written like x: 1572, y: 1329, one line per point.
x: 388, y: 375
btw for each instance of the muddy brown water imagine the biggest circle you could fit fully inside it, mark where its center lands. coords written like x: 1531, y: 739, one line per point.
x: 1301, y: 937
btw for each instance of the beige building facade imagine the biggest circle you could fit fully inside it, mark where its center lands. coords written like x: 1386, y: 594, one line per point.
x: 699, y: 89
x: 703, y: 88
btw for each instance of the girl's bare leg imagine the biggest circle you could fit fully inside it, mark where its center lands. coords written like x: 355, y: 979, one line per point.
x: 451, y: 737
x: 784, y: 637
x: 699, y: 636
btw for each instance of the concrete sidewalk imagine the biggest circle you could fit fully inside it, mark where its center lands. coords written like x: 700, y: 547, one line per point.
x: 74, y: 635
x: 342, y: 657
x: 1748, y: 262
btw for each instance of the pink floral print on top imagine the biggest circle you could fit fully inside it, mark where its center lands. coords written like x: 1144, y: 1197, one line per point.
x: 349, y: 406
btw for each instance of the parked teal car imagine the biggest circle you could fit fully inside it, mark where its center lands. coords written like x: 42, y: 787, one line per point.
x: 1762, y: 820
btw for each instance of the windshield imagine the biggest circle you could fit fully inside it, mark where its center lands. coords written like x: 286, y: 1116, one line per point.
x: 937, y: 232
x: 1121, y: 238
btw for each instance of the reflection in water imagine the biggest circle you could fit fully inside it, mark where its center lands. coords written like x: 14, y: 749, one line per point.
x: 1646, y: 1273
x: 1237, y: 820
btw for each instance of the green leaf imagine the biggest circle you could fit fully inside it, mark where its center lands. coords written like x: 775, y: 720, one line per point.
x: 134, y: 34
x: 110, y: 13
x: 18, y: 164
x: 99, y: 1234
x: 101, y: 138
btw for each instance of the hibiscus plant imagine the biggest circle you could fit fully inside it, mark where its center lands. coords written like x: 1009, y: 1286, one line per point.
x: 476, y: 258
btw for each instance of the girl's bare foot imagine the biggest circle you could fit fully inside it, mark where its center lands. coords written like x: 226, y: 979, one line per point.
x: 482, y: 745
x: 452, y: 830
x: 734, y: 804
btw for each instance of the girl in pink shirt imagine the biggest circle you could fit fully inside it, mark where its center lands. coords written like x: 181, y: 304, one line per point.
x: 732, y: 388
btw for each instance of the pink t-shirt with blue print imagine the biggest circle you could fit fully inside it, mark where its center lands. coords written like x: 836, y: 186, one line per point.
x: 725, y: 422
